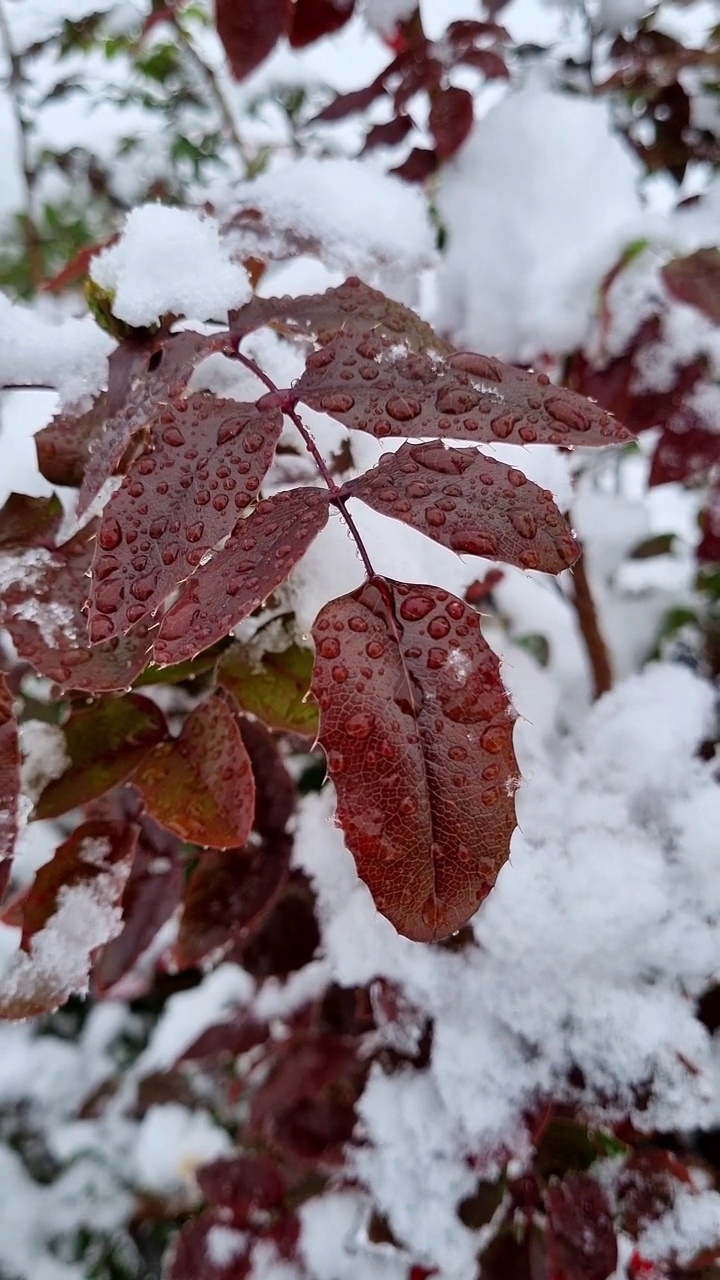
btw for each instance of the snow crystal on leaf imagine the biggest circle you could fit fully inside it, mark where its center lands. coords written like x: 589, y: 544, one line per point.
x: 170, y: 261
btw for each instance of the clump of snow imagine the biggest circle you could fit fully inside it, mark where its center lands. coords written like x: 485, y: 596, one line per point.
x: 69, y: 355
x: 172, y: 1142
x: 384, y: 16
x: 44, y: 756
x: 691, y: 1224
x: 170, y: 261
x: 224, y: 1244
x: 538, y: 206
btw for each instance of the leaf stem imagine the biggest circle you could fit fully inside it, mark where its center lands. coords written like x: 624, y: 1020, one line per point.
x: 336, y: 495
x: 16, y: 79
x: 587, y: 615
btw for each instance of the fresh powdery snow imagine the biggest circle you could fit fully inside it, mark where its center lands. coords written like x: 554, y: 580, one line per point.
x: 538, y: 207
x: 170, y: 261
x: 37, y: 350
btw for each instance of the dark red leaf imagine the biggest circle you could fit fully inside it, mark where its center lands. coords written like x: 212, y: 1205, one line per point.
x: 78, y: 267
x: 249, y: 31
x: 352, y: 307
x: 152, y: 893
x: 236, y: 1036
x: 105, y: 743
x: 648, y: 1186
x: 259, y: 556
x: 143, y: 374
x: 206, y: 462
x: 695, y: 280
x: 209, y: 1247
x: 9, y: 783
x: 29, y: 522
x: 243, y: 1184
x: 389, y: 134
x: 63, y: 446
x: 274, y: 787
x: 229, y: 895
x: 419, y: 72
x: 200, y: 785
x: 378, y: 384
x: 419, y: 165
x: 346, y: 104
x: 289, y: 937
x: 467, y: 30
x: 489, y: 61
x: 470, y: 503
x: 417, y: 728
x: 451, y: 119
x: 42, y: 608
x: 580, y: 1233
x: 307, y: 1063
x: 71, y: 909
x: 273, y: 687
x: 686, y: 450
x: 312, y: 19
x: 709, y: 549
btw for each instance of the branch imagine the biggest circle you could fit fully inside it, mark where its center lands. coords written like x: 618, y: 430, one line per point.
x: 216, y: 93
x: 16, y: 80
x: 583, y: 602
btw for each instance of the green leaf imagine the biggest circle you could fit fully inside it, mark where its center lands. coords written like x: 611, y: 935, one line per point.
x: 273, y: 687
x: 105, y: 742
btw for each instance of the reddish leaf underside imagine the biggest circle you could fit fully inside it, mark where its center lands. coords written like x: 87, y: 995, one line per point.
x: 105, y: 743
x: 29, y: 522
x: 178, y: 500
x: 451, y: 119
x: 259, y: 556
x: 209, y: 1247
x: 249, y: 31
x: 417, y: 728
x: 71, y: 909
x: 581, y: 1238
x: 695, y: 280
x: 312, y: 19
x: 9, y: 783
x: 42, y: 607
x: 275, y: 789
x: 243, y: 1184
x: 470, y: 503
x: 373, y: 383
x: 200, y: 785
x: 229, y: 895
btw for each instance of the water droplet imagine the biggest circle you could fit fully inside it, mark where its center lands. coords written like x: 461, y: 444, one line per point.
x: 529, y: 559
x: 455, y: 609
x: 490, y: 797
x: 524, y: 523
x: 357, y: 624
x: 100, y: 629
x: 456, y: 400
x: 407, y: 807
x: 110, y: 535
x: 339, y: 674
x: 438, y: 628
x: 194, y: 532
x: 336, y: 761
x: 253, y: 443
x: 220, y: 502
x: 435, y: 517
x: 329, y: 648
x: 388, y: 751
x: 135, y: 613
x: 491, y: 772
x: 136, y: 489
x: 416, y: 607
x: 337, y: 402
x: 173, y: 437
x: 359, y: 725
x: 517, y: 478
x: 436, y: 658
x: 493, y: 740
x: 418, y: 490
x: 457, y: 753
x: 567, y: 415
x: 474, y: 544
x: 431, y: 914
x: 170, y: 553
x: 374, y: 649
x: 202, y: 497
x: 403, y: 409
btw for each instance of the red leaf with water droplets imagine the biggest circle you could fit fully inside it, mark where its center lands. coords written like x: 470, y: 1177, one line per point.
x: 374, y: 383
x: 695, y: 280
x: 351, y: 308
x: 64, y: 446
x: 104, y: 743
x: 9, y: 783
x: 200, y: 785
x: 470, y: 503
x: 228, y: 897
x: 71, y: 909
x: 312, y: 19
x: 142, y: 374
x: 152, y: 894
x: 581, y: 1238
x: 209, y: 1247
x: 178, y: 500
x: 417, y: 728
x: 249, y: 31
x: 259, y: 556
x: 41, y: 605
x: 451, y: 119
x: 29, y: 522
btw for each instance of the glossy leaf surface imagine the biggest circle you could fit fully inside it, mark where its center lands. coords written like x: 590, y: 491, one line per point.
x: 9, y: 783
x: 200, y: 785
x: 105, y: 743
x: 470, y: 503
x: 249, y: 31
x: 372, y: 383
x: 72, y: 908
x: 176, y: 502
x: 42, y: 605
x: 451, y: 119
x: 417, y: 728
x: 272, y: 687
x: 259, y: 556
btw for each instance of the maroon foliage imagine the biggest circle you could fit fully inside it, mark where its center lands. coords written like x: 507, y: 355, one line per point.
x: 418, y: 732
x: 9, y: 783
x: 243, y: 1184
x: 580, y: 1234
x: 29, y: 522
x: 205, y: 465
x: 312, y: 19
x: 261, y: 553
x: 209, y: 1247
x: 695, y: 280
x: 470, y: 503
x: 274, y: 788
x: 249, y: 31
x: 200, y: 785
x: 451, y: 119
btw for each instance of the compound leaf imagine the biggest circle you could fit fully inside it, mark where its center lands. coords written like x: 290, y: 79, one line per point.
x: 417, y: 728
x: 470, y: 503
x: 200, y: 785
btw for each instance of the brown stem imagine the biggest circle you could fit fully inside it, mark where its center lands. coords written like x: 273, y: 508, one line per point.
x: 213, y: 88
x: 587, y: 615
x: 33, y: 243
x: 336, y: 496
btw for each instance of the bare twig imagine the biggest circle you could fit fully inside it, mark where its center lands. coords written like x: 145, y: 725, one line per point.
x: 15, y: 84
x: 214, y: 90
x: 581, y: 598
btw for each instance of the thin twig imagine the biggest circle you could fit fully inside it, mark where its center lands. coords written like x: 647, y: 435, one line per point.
x: 15, y: 83
x: 587, y: 615
x: 216, y: 93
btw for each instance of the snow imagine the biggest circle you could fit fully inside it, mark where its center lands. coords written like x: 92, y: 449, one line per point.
x: 384, y: 16
x: 171, y: 1143
x: 69, y: 355
x: 538, y: 208
x: 170, y: 261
